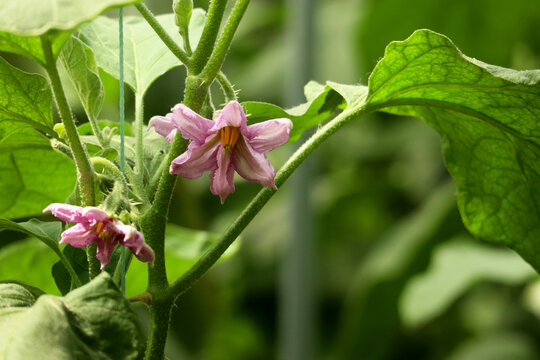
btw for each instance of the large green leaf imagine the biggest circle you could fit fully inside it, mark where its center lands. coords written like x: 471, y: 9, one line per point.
x: 36, y: 17
x: 80, y: 64
x: 456, y: 266
x: 31, y: 173
x: 146, y: 57
x: 23, y: 22
x: 24, y: 98
x: 487, y: 117
x: 92, y: 322
x: 183, y: 247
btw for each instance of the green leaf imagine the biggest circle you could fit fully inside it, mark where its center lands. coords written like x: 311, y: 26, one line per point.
x: 80, y: 64
x: 23, y: 22
x: 31, y: 173
x: 36, y: 17
x: 456, y: 266
x: 92, y: 322
x: 24, y: 99
x: 30, y: 46
x: 78, y: 259
x: 321, y: 103
x: 487, y: 117
x: 29, y: 261
x: 183, y: 247
x: 146, y: 57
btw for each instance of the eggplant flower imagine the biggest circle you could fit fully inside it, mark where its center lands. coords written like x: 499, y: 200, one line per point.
x: 223, y: 146
x: 95, y: 225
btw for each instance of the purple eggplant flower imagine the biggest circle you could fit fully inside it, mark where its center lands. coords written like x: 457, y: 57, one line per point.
x: 223, y: 146
x: 95, y: 225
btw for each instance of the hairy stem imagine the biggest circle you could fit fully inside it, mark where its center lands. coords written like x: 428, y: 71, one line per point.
x: 226, y: 86
x: 218, y: 55
x: 113, y: 170
x: 85, y: 173
x: 189, y: 278
x: 162, y: 33
x: 209, y: 36
x: 160, y: 312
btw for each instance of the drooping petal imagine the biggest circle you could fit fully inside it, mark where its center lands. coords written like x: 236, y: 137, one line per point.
x: 222, y: 178
x: 133, y: 239
x: 78, y: 236
x: 145, y: 254
x: 232, y: 115
x: 191, y: 125
x: 253, y: 165
x: 197, y: 159
x: 66, y: 212
x: 164, y: 125
x: 94, y: 214
x: 268, y: 135
x: 105, y: 248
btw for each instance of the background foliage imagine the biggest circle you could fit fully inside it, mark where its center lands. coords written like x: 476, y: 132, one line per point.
x: 387, y: 232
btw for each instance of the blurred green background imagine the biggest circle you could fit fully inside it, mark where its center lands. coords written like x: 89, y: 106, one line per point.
x: 363, y: 254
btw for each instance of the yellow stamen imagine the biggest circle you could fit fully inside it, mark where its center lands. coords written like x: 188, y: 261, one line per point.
x: 229, y: 136
x: 99, y: 227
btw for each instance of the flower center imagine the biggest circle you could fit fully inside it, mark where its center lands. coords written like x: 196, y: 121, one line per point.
x: 99, y: 231
x: 229, y: 136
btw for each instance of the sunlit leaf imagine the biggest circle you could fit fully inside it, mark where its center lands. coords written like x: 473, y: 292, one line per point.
x: 80, y: 64
x: 146, y: 57
x: 92, y: 322
x: 487, y: 117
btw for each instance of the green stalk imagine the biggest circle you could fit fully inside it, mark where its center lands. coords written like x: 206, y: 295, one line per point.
x: 162, y: 33
x: 113, y: 170
x: 139, y: 151
x: 189, y: 278
x: 213, y: 66
x: 160, y: 312
x: 226, y: 86
x: 209, y: 36
x: 85, y: 173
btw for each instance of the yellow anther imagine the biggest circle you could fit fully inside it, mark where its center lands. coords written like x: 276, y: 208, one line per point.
x: 229, y: 136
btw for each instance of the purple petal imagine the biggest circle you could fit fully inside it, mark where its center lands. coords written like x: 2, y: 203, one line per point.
x: 268, y: 135
x: 232, y: 115
x: 253, y: 165
x: 132, y: 239
x: 191, y: 125
x: 145, y: 254
x: 78, y: 236
x: 94, y: 214
x: 222, y: 178
x: 105, y: 249
x: 164, y: 125
x: 66, y: 212
x: 197, y: 159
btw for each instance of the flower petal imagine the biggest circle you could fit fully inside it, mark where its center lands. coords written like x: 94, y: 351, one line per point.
x: 253, y: 165
x: 164, y: 125
x: 268, y: 135
x: 232, y: 115
x: 222, y: 178
x: 78, y: 236
x: 133, y: 239
x: 66, y: 212
x: 94, y: 214
x: 105, y: 248
x: 197, y: 159
x: 191, y: 125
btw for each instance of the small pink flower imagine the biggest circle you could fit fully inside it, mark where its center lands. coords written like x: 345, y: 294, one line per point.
x: 95, y: 225
x: 223, y: 146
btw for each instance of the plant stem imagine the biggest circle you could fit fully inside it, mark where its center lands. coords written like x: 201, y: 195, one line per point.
x: 218, y: 55
x: 162, y: 33
x: 209, y: 36
x: 226, y: 86
x: 160, y: 312
x: 113, y: 170
x: 85, y: 173
x: 189, y: 278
